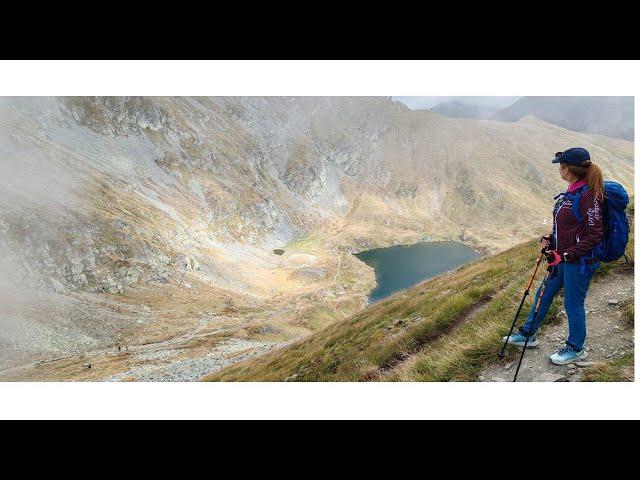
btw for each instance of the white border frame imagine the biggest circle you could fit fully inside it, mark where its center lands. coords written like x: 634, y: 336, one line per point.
x: 321, y: 400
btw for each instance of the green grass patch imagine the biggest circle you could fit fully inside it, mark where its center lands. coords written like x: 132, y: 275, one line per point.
x: 463, y: 354
x: 618, y: 370
x: 309, y: 244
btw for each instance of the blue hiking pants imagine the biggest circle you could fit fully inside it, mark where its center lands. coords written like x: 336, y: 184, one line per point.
x: 575, y: 284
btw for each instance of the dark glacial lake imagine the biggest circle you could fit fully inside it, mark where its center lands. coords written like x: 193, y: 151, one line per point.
x: 403, y: 266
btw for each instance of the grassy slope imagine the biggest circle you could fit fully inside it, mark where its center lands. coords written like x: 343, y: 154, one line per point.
x: 357, y: 348
x: 424, y: 325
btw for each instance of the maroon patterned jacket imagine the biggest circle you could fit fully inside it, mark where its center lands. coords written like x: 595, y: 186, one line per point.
x: 572, y: 237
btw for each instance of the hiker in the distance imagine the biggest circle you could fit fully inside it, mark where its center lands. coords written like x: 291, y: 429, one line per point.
x: 573, y: 241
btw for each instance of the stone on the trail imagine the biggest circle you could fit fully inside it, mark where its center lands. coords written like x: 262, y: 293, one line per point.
x: 585, y: 364
x: 509, y: 365
x: 550, y: 377
x: 612, y: 301
x: 481, y: 378
x: 498, y: 379
x: 87, y: 365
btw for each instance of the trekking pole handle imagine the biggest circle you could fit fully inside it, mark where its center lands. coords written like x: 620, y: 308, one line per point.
x: 545, y: 248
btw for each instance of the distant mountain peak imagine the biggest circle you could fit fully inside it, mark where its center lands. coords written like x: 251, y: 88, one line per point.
x: 610, y: 116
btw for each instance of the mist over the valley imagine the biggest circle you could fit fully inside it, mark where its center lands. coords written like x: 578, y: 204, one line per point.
x: 611, y: 116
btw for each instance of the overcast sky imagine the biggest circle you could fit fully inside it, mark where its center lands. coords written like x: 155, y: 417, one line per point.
x: 419, y: 103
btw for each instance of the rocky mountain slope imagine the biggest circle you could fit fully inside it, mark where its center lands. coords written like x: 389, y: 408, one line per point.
x: 611, y: 116
x: 139, y: 221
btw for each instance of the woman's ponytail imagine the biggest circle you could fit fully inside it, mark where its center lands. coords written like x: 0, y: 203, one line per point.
x: 595, y: 180
x: 592, y: 174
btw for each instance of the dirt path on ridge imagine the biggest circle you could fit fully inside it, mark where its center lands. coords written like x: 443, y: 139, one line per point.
x: 609, y: 336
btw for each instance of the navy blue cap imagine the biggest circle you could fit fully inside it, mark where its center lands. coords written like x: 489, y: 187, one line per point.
x: 573, y: 156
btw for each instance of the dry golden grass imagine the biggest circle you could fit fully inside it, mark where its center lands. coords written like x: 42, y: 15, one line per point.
x: 372, y: 341
x: 618, y: 370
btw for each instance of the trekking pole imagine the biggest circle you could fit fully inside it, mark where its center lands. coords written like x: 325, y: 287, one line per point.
x: 535, y: 314
x: 526, y: 292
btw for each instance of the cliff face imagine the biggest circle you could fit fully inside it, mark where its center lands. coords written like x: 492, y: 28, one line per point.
x: 99, y: 196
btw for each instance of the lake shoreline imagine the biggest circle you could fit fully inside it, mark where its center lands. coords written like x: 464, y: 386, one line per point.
x: 400, y: 267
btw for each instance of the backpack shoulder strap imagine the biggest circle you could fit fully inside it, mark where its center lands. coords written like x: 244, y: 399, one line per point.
x: 575, y: 205
x: 575, y: 198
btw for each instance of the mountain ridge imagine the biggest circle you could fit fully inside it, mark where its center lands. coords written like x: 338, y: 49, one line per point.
x: 611, y: 116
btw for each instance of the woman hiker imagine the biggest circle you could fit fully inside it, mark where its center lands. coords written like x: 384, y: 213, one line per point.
x: 570, y: 240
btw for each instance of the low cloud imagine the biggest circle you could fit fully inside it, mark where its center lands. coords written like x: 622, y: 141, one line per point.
x: 421, y: 103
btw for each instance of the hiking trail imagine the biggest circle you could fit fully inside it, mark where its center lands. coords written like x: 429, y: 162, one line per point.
x: 610, y: 335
